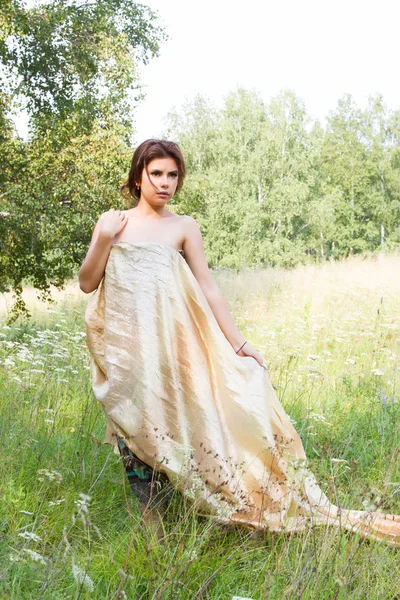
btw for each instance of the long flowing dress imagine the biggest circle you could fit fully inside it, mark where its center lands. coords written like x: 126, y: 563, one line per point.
x: 185, y: 403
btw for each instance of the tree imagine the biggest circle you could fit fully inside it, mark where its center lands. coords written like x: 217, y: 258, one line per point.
x: 77, y: 56
x: 74, y: 64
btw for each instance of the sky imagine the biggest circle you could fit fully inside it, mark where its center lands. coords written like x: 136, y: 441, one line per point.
x: 318, y: 48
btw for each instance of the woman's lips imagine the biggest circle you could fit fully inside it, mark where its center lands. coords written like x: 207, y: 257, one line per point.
x: 162, y: 194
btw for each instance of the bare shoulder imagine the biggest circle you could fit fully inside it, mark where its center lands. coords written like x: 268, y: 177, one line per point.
x: 189, y: 225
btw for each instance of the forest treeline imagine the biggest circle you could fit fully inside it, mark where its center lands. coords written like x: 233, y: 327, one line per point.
x: 267, y: 184
x: 271, y: 186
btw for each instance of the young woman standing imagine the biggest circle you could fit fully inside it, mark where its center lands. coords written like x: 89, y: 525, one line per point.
x: 183, y: 392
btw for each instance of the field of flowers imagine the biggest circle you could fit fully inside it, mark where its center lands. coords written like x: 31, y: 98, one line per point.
x: 71, y: 528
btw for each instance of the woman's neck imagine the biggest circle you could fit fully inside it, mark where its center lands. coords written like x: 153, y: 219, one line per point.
x: 145, y: 211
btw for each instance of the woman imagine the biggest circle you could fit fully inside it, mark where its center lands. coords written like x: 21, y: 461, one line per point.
x: 182, y: 390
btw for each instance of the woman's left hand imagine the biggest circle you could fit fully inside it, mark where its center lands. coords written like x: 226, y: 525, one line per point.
x: 248, y: 350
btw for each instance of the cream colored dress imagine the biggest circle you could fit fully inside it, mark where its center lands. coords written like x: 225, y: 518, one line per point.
x: 186, y: 404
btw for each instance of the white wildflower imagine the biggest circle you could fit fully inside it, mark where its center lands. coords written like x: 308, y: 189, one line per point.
x: 56, y: 502
x: 35, y: 556
x: 377, y: 372
x: 338, y: 460
x: 350, y: 361
x: 50, y: 474
x: 29, y: 535
x: 321, y: 418
x: 14, y: 558
x: 83, y: 503
x: 26, y: 512
x: 82, y: 578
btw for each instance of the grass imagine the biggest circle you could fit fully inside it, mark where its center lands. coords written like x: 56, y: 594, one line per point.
x: 69, y: 525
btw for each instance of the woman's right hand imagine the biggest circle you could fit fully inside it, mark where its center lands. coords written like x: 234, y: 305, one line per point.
x: 111, y: 222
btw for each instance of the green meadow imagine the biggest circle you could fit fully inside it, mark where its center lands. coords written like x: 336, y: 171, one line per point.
x: 70, y: 527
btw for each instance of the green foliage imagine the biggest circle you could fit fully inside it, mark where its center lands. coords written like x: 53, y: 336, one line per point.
x: 73, y: 65
x: 271, y: 187
x: 76, y: 56
x: 50, y: 211
x: 267, y: 184
x: 65, y: 500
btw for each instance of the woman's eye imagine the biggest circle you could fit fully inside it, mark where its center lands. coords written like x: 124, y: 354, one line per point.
x: 174, y: 175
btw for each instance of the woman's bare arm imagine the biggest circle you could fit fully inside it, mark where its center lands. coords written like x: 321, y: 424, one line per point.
x: 93, y: 267
x: 195, y: 257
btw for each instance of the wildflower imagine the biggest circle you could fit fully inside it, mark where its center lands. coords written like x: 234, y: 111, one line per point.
x: 82, y: 578
x: 56, y: 502
x: 29, y: 535
x: 35, y: 556
x: 14, y: 558
x: 321, y: 418
x: 83, y: 504
x: 50, y: 474
x: 377, y: 372
x: 350, y: 361
x: 26, y: 512
x: 339, y: 460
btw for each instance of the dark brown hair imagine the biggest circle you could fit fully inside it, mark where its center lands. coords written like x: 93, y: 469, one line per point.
x: 143, y: 155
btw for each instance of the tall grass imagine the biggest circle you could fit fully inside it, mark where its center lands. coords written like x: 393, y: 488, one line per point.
x: 69, y: 524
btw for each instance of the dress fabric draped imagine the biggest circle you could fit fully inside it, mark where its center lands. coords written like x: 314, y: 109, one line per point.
x: 173, y: 388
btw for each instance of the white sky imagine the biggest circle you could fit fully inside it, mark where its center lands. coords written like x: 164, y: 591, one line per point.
x: 319, y: 48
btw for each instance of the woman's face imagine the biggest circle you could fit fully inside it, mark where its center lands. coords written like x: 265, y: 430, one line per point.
x: 161, y: 186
